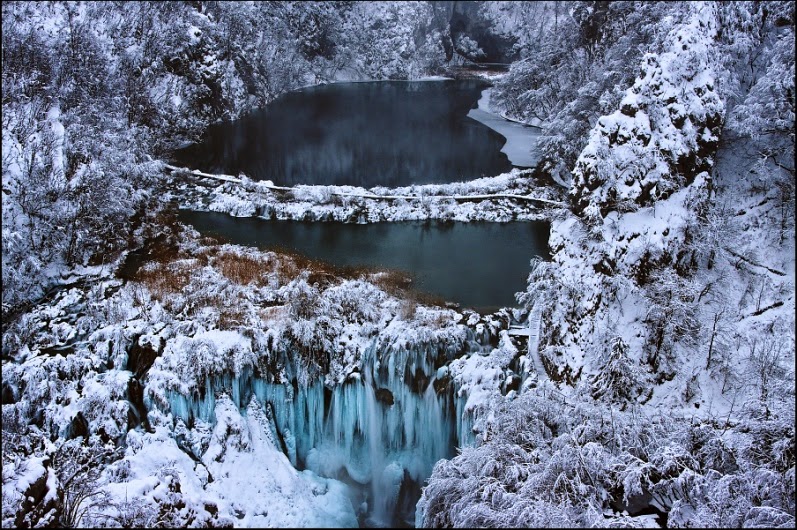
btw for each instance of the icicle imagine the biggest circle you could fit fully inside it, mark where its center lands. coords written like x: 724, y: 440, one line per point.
x: 465, y: 420
x: 388, y: 426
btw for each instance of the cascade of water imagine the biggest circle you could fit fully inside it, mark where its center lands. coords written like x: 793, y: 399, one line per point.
x: 384, y: 428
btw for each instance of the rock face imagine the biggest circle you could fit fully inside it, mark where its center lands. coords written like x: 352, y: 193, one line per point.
x: 37, y: 501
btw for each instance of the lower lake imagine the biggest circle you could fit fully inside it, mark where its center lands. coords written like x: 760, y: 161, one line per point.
x: 477, y: 265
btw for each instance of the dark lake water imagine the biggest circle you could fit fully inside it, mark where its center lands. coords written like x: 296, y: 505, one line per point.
x: 386, y: 133
x: 478, y: 265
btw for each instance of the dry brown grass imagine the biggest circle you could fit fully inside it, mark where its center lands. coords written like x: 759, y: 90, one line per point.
x: 231, y: 317
x: 164, y: 247
x: 242, y: 269
x: 289, y: 265
x: 394, y: 283
x: 286, y: 269
x: 164, y: 279
x: 399, y: 285
x: 427, y: 299
x: 407, y: 309
x: 171, y: 268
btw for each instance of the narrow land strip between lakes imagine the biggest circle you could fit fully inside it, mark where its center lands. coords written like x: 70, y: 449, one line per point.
x: 268, y: 185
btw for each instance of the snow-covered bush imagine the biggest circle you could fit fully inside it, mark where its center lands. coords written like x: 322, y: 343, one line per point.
x: 547, y: 463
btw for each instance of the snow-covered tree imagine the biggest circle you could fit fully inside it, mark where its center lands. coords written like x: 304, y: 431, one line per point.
x: 618, y: 381
x: 582, y: 58
x: 665, y: 132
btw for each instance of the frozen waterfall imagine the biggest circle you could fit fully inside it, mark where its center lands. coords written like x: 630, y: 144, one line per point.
x: 381, y: 430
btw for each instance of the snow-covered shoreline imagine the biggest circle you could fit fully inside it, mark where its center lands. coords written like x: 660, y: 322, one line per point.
x: 511, y: 196
x: 521, y: 139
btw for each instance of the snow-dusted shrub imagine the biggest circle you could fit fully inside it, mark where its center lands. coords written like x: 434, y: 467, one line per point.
x: 549, y: 462
x: 78, y: 466
x: 354, y: 301
x: 103, y: 403
x: 303, y: 298
x: 191, y: 360
x: 531, y: 471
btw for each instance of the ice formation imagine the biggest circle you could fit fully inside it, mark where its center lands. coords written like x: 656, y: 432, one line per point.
x: 381, y: 430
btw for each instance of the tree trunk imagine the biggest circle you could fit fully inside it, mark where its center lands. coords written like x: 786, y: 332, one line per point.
x: 711, y: 342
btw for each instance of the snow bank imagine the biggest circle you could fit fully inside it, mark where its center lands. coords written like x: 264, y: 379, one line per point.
x: 521, y: 139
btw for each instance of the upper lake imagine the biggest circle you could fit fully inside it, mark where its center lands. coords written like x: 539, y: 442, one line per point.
x: 384, y: 133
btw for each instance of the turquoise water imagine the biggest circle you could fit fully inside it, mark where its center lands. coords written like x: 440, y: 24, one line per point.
x: 478, y: 265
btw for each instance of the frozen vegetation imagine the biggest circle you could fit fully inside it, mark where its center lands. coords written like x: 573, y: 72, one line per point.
x: 154, y: 378
x: 512, y: 196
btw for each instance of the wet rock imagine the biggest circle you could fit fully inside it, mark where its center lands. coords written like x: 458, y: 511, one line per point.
x: 135, y: 395
x: 512, y: 382
x: 418, y: 381
x: 8, y: 394
x: 36, y: 504
x: 238, y: 511
x: 141, y: 358
x: 442, y: 384
x: 383, y: 395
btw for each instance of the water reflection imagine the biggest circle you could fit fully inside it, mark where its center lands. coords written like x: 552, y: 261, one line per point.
x: 388, y: 133
x: 479, y: 265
